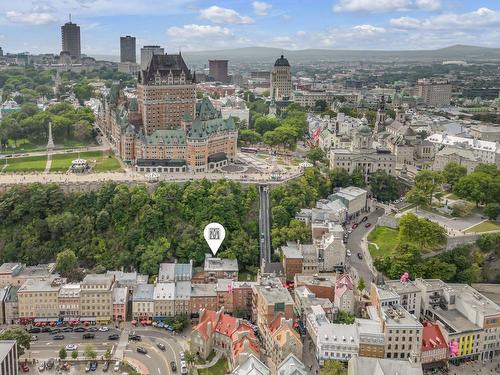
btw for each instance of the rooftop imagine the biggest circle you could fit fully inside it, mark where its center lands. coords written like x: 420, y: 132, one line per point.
x: 120, y: 295
x: 402, y: 287
x: 203, y: 290
x: 326, y: 280
x: 454, y: 321
x: 95, y: 278
x: 10, y: 268
x: 35, y: 272
x: 382, y: 366
x: 291, y: 365
x: 5, y: 347
x: 218, y: 264
x: 291, y: 252
x: 164, y: 291
x: 144, y: 292
x: 175, y: 271
x: 273, y: 291
x: 252, y: 366
x: 397, y: 316
x: 432, y: 337
x: 39, y: 285
x: 70, y: 291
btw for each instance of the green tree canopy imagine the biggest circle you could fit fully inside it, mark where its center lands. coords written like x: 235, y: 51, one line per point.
x: 66, y: 261
x: 22, y: 337
x: 453, y: 172
x: 384, y: 186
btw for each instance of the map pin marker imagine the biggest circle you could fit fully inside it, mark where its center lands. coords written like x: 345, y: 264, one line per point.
x: 214, y: 234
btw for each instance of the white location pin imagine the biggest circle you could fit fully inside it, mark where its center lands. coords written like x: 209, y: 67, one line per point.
x: 214, y: 234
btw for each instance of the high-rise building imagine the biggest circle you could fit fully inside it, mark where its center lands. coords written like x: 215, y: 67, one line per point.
x: 217, y: 70
x: 281, y: 79
x: 8, y: 357
x: 1, y: 52
x: 70, y: 39
x: 127, y: 49
x: 147, y: 53
x: 434, y: 92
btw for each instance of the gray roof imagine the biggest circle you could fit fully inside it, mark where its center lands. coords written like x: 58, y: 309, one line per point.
x: 96, y: 278
x: 291, y: 365
x: 291, y: 252
x: 203, y: 290
x: 5, y: 348
x: 282, y: 61
x: 175, y: 271
x: 143, y: 292
x: 382, y: 366
x: 32, y: 285
x: 10, y: 268
x: 273, y: 291
x: 218, y: 264
x: 120, y: 295
x: 252, y: 366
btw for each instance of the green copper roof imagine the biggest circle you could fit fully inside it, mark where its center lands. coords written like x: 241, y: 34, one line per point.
x: 208, y: 120
x: 364, y: 129
x: 167, y: 137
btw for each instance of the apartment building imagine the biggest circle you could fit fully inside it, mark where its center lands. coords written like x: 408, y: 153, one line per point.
x: 96, y: 298
x: 382, y: 366
x: 331, y: 341
x: 305, y: 299
x: 203, y: 296
x: 242, y: 297
x: 224, y: 290
x: 7, y: 273
x: 322, y: 285
x: 402, y: 332
x: 344, y: 294
x: 270, y: 298
x: 371, y: 338
x: 8, y: 357
x: 120, y: 303
x: 171, y: 272
x: 11, y: 306
x: 409, y: 293
x: 39, y: 299
x: 164, y: 300
x: 69, y: 301
x: 434, y: 346
x: 217, y: 268
x: 293, y: 260
x: 143, y: 302
x: 434, y: 93
x: 182, y: 297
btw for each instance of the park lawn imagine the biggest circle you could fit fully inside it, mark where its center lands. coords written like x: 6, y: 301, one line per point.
x: 220, y: 368
x: 73, y: 143
x: 104, y: 163
x: 27, y: 164
x: 387, y: 240
x: 485, y: 226
x: 23, y: 145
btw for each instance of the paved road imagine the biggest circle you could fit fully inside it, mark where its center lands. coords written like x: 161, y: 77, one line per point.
x: 264, y: 226
x: 451, y: 224
x: 354, y: 244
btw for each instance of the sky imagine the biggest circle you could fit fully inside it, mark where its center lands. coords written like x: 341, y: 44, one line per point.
x: 194, y: 25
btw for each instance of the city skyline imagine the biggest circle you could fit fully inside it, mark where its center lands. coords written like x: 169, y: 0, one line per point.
x: 196, y: 25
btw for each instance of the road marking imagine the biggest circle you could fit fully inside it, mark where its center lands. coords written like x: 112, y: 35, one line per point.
x: 159, y: 372
x: 48, y: 343
x: 147, y: 355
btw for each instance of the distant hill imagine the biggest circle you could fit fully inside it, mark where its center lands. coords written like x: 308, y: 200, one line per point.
x: 269, y: 55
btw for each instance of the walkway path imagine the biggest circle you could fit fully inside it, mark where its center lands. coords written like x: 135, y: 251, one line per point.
x: 212, y: 363
x: 137, y: 365
x: 49, y: 163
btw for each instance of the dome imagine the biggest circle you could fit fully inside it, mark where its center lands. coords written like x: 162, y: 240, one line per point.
x: 282, y: 62
x: 364, y: 129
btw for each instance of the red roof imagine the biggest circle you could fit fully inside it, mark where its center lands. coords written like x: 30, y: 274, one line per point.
x: 432, y: 338
x: 276, y: 322
x: 208, y: 316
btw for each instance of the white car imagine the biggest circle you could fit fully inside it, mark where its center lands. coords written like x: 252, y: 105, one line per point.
x: 117, y: 366
x: 348, y: 252
x: 183, y: 357
x: 71, y: 347
x: 103, y: 329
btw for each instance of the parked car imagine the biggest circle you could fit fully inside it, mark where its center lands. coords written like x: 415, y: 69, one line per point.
x: 92, y: 329
x: 349, y: 231
x: 161, y: 346
x: 46, y: 329
x: 68, y: 329
x: 105, y: 366
x: 55, y: 331
x: 142, y: 350
x: 80, y: 329
x: 58, y: 337
x: 41, y: 368
x: 368, y: 225
x: 103, y: 329
x: 173, y: 366
x: 360, y: 256
x: 355, y: 225
x: 71, y: 347
x: 87, y: 367
x: 34, y: 330
x: 50, y: 363
x: 348, y: 252
x: 183, y: 356
x: 117, y: 366
x: 34, y: 338
x: 88, y: 336
x: 134, y: 337
x: 114, y: 336
x: 25, y: 368
x: 364, y: 219
x: 93, y: 366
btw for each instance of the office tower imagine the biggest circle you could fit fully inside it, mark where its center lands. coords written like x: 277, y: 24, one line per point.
x: 127, y: 49
x: 218, y: 70
x: 70, y: 39
x: 434, y: 92
x: 281, y: 80
x: 147, y: 53
x: 1, y: 52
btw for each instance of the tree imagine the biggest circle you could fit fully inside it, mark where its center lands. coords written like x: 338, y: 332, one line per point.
x: 22, y: 337
x: 63, y: 353
x: 492, y: 210
x: 421, y: 230
x: 153, y: 254
x: 315, y: 154
x: 453, y: 172
x: 189, y: 357
x: 74, y: 354
x: 361, y: 284
x: 108, y: 354
x: 489, y: 242
x: 265, y: 124
x: 339, y: 177
x: 90, y: 352
x: 320, y: 106
x: 358, y: 177
x: 427, y: 183
x: 417, y: 197
x: 248, y: 136
x: 333, y: 367
x: 478, y: 187
x: 462, y: 209
x: 344, y: 317
x: 384, y: 186
x: 66, y: 261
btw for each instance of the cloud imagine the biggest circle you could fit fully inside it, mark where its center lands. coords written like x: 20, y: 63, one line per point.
x: 482, y: 17
x: 260, y: 8
x: 30, y: 18
x: 385, y: 5
x: 224, y: 15
x: 369, y: 29
x: 198, y: 31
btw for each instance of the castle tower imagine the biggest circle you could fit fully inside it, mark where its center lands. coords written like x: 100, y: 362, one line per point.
x: 400, y: 114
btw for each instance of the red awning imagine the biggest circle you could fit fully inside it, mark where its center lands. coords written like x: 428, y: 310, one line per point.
x: 134, y: 322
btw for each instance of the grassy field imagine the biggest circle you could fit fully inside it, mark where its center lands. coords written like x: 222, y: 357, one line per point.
x: 386, y: 239
x: 486, y: 226
x: 104, y: 161
x: 28, y: 164
x: 220, y: 368
x: 22, y: 145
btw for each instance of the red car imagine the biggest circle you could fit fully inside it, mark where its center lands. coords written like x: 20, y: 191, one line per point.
x: 355, y: 225
x: 25, y: 368
x: 368, y: 225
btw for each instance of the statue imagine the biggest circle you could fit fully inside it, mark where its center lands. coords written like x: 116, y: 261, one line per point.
x: 404, y: 277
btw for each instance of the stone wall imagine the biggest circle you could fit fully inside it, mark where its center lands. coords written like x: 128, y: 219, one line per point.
x: 388, y: 221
